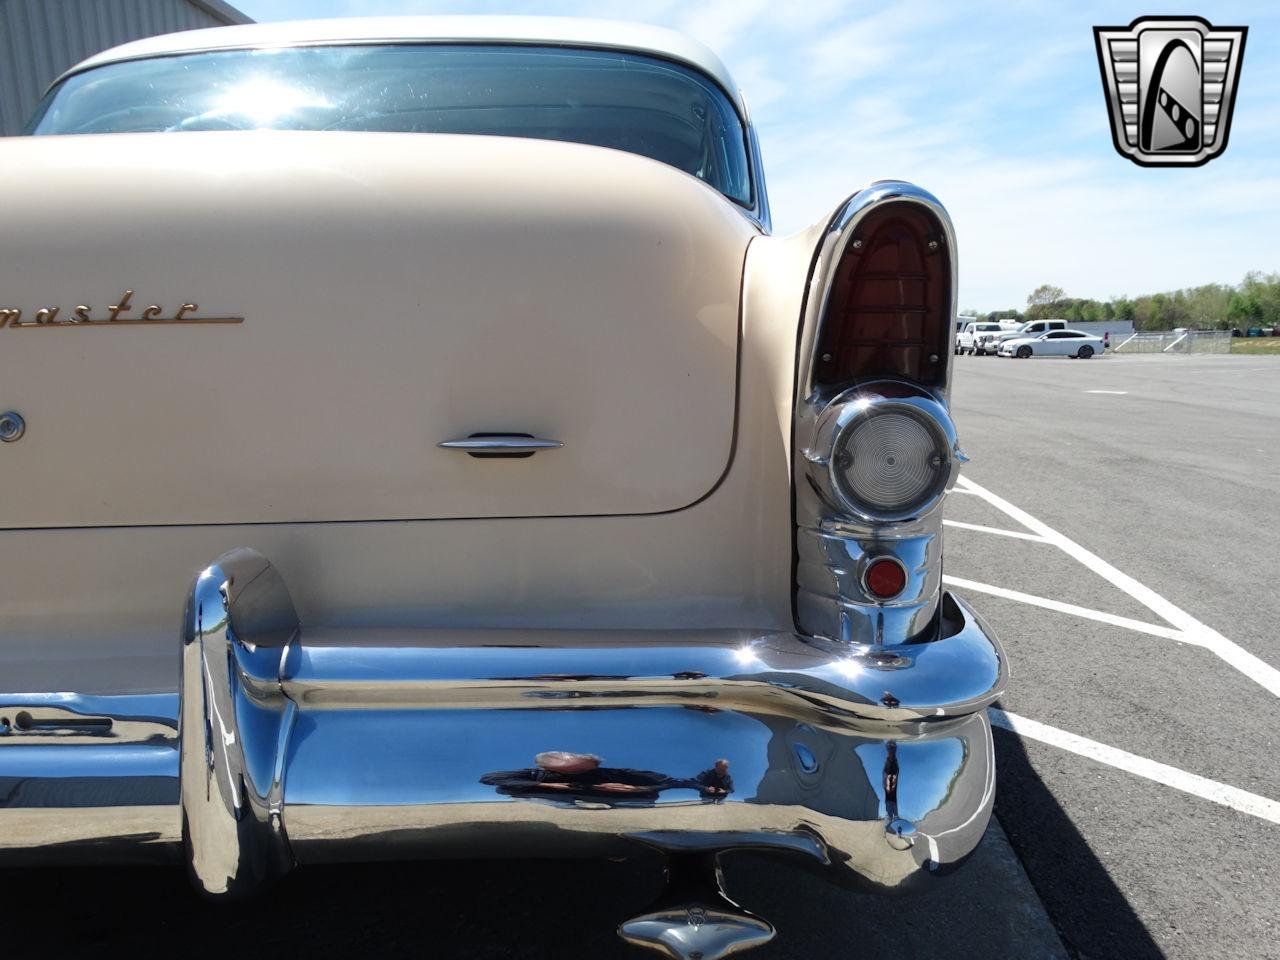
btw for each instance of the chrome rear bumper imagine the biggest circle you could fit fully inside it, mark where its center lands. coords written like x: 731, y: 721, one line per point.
x: 874, y: 762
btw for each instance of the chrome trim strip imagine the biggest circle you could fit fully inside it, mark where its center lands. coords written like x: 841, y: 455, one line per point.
x: 828, y: 684
x: 501, y: 443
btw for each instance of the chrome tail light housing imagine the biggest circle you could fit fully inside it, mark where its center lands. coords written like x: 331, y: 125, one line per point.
x: 874, y: 445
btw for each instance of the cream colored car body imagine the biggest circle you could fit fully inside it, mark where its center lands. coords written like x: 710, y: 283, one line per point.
x: 442, y: 285
x: 311, y: 426
x: 221, y: 340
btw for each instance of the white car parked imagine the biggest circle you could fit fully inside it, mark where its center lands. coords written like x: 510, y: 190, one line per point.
x: 976, y: 337
x: 1055, y: 343
x: 1029, y: 330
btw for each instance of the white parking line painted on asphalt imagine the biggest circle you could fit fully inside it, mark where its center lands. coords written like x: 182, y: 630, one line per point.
x: 1253, y: 667
x: 1114, y: 393
x: 1220, y: 793
x: 1154, y: 629
x: 1019, y: 534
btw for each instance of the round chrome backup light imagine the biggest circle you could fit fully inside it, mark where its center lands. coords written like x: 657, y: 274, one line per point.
x: 891, y: 458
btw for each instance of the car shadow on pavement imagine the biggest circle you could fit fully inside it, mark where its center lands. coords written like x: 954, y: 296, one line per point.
x: 553, y: 910
x: 1091, y: 915
x: 517, y: 909
x: 500, y: 910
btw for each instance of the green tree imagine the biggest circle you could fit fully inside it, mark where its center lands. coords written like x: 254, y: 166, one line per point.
x: 1263, y: 292
x: 1157, y: 311
x: 1206, y: 306
x: 1243, y: 309
x: 1044, y: 300
x: 1045, y: 295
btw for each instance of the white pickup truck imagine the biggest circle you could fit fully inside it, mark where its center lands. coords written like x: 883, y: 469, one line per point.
x: 976, y: 338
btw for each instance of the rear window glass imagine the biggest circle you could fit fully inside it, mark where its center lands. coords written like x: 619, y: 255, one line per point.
x: 624, y: 101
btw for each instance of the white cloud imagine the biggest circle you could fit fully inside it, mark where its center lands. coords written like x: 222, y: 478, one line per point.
x: 720, y: 23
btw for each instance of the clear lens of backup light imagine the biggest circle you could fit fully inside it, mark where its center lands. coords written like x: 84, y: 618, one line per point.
x: 890, y: 462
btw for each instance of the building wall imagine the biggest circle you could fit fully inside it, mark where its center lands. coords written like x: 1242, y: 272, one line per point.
x: 39, y: 39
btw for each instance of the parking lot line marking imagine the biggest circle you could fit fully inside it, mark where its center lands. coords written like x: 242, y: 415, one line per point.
x: 1114, y: 393
x: 1194, y: 784
x: 1253, y: 667
x: 1004, y: 533
x: 1155, y: 629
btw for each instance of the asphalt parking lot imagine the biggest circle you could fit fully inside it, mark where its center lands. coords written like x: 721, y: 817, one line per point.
x: 1117, y: 526
x: 1139, y: 623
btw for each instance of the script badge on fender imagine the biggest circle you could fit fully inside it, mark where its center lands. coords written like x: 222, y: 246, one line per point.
x: 1170, y: 84
x: 122, y: 313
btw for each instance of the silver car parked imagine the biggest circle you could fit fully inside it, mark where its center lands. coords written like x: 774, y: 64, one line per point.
x: 1056, y: 343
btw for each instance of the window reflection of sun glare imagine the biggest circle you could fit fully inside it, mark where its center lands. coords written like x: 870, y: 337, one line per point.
x: 265, y: 101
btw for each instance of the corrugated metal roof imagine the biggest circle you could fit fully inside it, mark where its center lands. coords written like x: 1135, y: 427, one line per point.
x: 39, y: 39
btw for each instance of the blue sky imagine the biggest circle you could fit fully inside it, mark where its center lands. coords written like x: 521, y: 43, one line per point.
x: 995, y: 108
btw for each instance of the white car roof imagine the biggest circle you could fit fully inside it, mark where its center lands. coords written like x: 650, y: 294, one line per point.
x: 551, y: 31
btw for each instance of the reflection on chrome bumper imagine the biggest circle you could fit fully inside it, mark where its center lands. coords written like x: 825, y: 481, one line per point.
x: 875, y: 762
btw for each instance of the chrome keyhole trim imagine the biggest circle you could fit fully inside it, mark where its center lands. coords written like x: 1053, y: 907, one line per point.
x: 12, y: 426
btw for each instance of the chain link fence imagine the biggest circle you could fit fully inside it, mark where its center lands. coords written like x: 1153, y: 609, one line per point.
x: 1176, y: 341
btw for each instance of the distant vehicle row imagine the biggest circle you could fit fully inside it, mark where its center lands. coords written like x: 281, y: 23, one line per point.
x: 1036, y: 338
x: 985, y: 337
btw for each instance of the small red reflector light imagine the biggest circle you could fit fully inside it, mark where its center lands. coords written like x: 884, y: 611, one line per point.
x: 886, y: 578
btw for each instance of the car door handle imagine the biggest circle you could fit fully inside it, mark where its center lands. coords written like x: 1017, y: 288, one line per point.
x: 501, y: 444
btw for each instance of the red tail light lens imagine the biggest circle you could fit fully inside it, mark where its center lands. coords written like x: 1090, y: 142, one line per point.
x: 885, y: 578
x: 889, y: 309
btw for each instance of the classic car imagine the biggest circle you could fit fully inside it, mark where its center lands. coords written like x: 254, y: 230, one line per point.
x: 417, y: 445
x: 1075, y: 344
